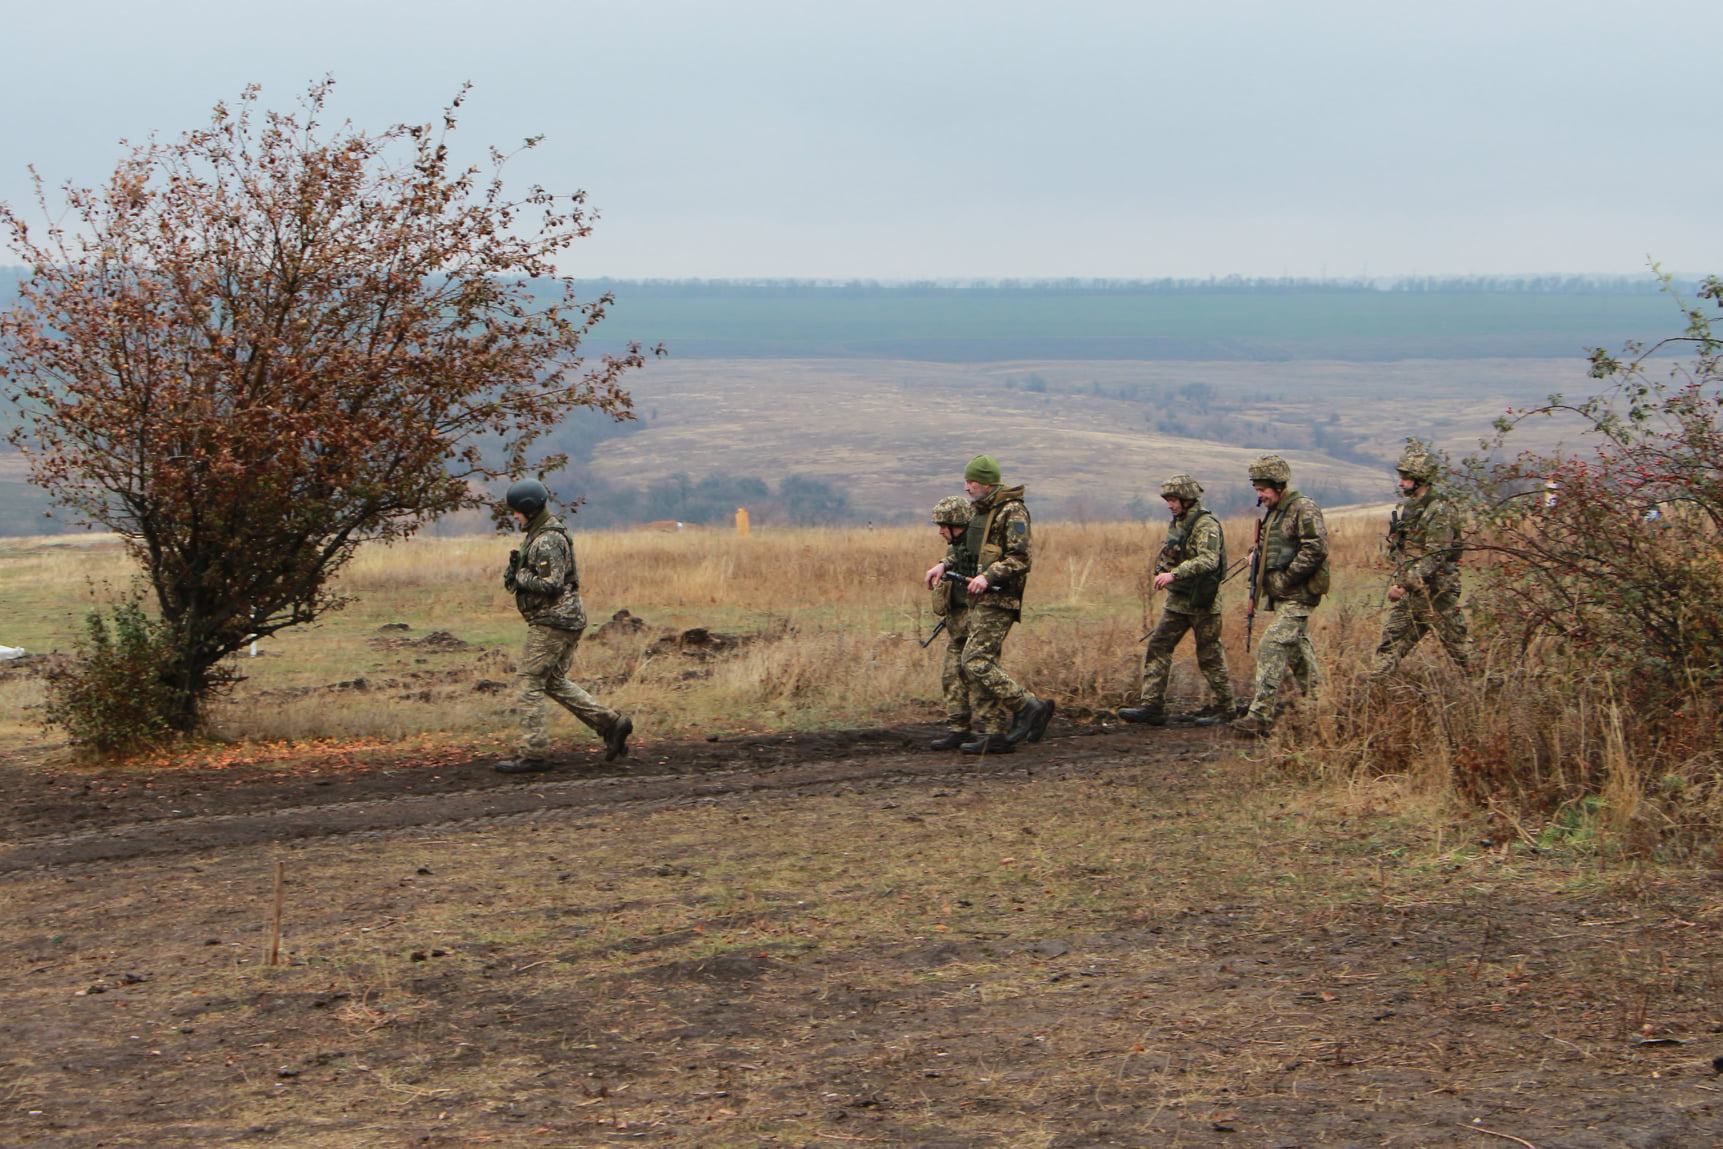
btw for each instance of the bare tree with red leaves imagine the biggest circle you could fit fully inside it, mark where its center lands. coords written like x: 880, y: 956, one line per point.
x: 266, y: 343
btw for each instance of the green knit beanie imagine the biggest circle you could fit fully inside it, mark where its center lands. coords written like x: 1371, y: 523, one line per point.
x: 983, y: 469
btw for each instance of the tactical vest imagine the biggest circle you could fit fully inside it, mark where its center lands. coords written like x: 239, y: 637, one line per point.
x: 1202, y: 590
x: 1279, y: 551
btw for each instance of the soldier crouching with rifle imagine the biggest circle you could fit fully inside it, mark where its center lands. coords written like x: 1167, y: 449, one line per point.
x: 546, y: 584
x: 1190, y: 568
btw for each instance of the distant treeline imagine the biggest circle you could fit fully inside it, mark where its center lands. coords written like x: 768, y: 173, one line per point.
x: 1226, y: 285
x: 798, y: 500
x: 1220, y: 318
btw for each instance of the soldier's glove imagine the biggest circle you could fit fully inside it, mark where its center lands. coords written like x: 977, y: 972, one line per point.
x: 514, y: 560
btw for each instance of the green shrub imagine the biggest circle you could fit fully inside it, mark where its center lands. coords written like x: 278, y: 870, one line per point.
x: 116, y: 697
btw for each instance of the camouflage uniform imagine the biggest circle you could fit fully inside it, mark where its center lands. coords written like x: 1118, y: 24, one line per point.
x: 952, y: 603
x: 1424, y: 543
x: 1195, y: 555
x: 1290, y: 571
x: 546, y: 586
x: 998, y: 537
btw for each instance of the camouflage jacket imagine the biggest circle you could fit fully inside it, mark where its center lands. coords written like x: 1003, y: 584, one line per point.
x: 1195, y: 555
x: 1291, y: 563
x: 546, y: 583
x: 998, y: 537
x: 1424, y: 540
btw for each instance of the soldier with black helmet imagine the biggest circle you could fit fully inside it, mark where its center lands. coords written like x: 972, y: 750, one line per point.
x: 1190, y: 569
x: 1289, y: 575
x: 546, y: 584
x: 1424, y: 543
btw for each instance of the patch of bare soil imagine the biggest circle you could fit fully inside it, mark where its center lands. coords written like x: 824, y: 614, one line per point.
x: 826, y: 940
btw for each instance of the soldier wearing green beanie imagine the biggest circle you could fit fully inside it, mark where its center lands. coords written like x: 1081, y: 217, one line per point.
x: 1002, y: 712
x: 983, y: 469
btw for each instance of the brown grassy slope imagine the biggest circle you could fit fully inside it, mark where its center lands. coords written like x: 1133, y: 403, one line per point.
x: 897, y: 433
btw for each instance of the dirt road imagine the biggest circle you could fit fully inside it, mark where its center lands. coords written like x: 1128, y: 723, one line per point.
x: 1115, y: 938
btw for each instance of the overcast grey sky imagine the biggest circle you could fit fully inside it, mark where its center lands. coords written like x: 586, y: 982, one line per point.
x: 977, y: 138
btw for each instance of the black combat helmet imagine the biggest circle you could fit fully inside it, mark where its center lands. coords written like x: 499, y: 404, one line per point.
x: 528, y: 496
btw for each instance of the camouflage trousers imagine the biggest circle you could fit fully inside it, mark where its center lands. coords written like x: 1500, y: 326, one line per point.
x: 993, y: 697
x: 1211, y: 657
x: 1420, y: 611
x: 1285, y: 647
x: 543, y: 671
x: 953, y: 682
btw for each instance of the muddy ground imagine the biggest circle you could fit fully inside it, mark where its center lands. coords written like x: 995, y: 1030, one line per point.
x: 1335, y: 997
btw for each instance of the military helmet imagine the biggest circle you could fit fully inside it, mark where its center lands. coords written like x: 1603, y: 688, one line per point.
x: 953, y: 511
x: 1271, y: 469
x: 1182, y: 487
x: 528, y: 496
x: 1418, y: 464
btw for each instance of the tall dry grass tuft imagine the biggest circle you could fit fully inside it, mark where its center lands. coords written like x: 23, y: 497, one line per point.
x: 1539, y: 739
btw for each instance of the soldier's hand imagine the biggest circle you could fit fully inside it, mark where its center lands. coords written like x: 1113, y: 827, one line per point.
x: 1396, y: 593
x: 934, y: 574
x: 1163, y: 580
x: 977, y: 585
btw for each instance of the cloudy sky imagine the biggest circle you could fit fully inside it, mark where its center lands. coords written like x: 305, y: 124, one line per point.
x: 977, y: 138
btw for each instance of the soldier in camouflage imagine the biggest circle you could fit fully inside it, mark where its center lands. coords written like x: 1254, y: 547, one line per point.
x: 1190, y: 569
x: 1424, y: 543
x: 951, y: 516
x: 1003, y: 713
x: 1289, y: 571
x: 546, y: 584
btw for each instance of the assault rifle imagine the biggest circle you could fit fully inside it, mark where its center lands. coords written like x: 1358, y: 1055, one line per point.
x: 1250, y: 608
x: 960, y: 580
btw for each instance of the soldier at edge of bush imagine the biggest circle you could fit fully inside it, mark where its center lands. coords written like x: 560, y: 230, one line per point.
x: 1003, y: 713
x: 1290, y: 573
x: 1424, y: 543
x: 546, y: 584
x: 1190, y: 568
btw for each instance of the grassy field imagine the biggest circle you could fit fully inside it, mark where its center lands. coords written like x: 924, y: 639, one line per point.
x: 819, y: 627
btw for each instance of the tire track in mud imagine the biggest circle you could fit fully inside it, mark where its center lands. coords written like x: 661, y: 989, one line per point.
x: 509, y: 800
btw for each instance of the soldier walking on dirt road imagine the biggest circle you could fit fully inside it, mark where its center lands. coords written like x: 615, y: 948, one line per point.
x: 1003, y: 713
x: 951, y: 516
x: 1190, y: 569
x: 1289, y: 574
x: 546, y: 584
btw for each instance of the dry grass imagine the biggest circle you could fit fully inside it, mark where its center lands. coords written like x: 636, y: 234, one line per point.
x: 825, y: 624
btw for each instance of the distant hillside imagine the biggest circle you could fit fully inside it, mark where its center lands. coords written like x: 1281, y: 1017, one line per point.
x: 1092, y: 439
x: 871, y: 396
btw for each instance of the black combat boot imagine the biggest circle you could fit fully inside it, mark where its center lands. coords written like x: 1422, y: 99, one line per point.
x: 1215, y: 713
x: 1030, y: 722
x: 1143, y: 715
x: 989, y: 744
x: 950, y: 740
x: 616, y: 740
